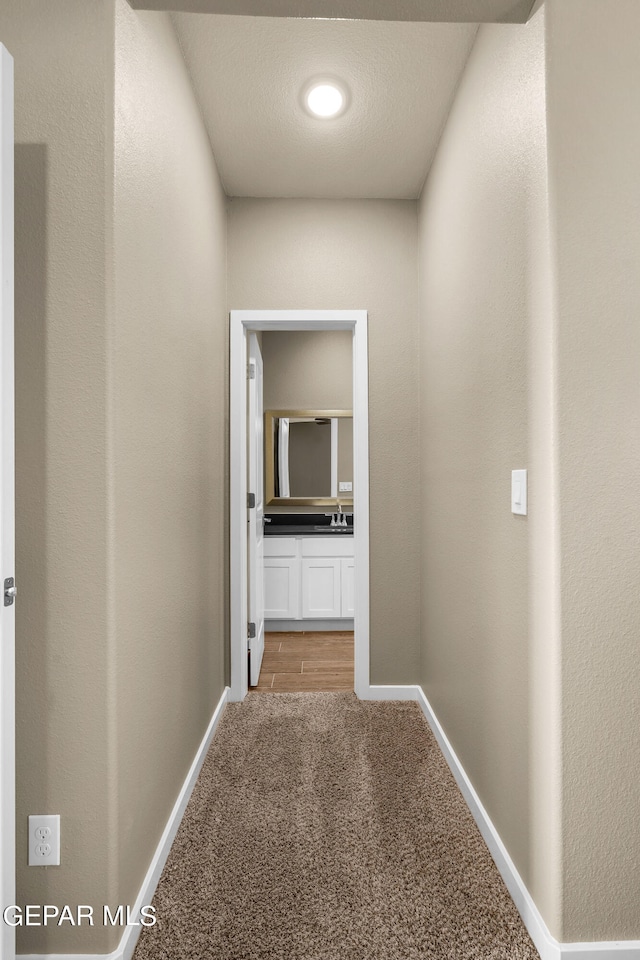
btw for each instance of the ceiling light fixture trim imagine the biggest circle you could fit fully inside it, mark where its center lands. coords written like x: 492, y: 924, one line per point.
x: 325, y: 98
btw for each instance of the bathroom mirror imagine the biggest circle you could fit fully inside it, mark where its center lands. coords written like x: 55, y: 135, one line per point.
x: 308, y: 457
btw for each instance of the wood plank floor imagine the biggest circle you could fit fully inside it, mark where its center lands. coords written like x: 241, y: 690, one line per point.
x: 304, y: 662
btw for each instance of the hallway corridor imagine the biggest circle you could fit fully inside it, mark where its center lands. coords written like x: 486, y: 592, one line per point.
x: 327, y: 828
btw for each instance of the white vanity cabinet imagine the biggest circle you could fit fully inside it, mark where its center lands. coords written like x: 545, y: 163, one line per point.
x: 348, y: 587
x: 281, y: 579
x: 321, y: 588
x: 309, y: 578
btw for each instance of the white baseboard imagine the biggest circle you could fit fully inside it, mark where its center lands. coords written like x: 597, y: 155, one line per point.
x: 116, y: 955
x: 127, y: 945
x: 547, y: 946
x: 309, y: 626
x: 601, y: 950
x: 388, y: 692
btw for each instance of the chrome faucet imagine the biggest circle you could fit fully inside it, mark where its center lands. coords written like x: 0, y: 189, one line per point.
x: 338, y: 519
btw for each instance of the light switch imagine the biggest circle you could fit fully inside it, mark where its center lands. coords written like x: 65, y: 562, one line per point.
x: 345, y: 486
x: 519, y: 492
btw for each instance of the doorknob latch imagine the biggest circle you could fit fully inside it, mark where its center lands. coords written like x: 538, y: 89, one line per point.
x: 10, y: 591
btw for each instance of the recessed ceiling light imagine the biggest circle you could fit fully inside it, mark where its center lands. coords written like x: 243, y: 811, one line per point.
x: 325, y: 99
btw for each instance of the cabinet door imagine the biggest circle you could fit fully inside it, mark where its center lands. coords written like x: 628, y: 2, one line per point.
x: 321, y: 588
x: 281, y: 588
x: 348, y: 587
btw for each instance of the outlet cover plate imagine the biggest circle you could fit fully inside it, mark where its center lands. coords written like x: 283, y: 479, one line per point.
x: 44, y: 840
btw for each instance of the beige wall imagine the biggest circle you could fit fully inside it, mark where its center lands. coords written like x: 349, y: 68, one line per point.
x: 61, y: 450
x: 311, y: 370
x: 168, y: 408
x: 530, y: 625
x: 308, y: 370
x: 120, y: 408
x: 594, y: 159
x: 356, y: 255
x: 476, y: 222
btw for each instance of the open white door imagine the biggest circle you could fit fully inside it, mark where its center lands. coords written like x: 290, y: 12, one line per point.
x: 7, y: 528
x: 255, y: 553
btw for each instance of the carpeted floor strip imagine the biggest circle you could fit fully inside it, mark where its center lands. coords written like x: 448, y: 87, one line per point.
x: 327, y: 828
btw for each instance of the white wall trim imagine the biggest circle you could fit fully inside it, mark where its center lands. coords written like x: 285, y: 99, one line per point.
x: 548, y: 947
x: 241, y: 323
x: 127, y: 945
x: 116, y: 955
x: 388, y: 691
x: 298, y: 626
x: 602, y: 950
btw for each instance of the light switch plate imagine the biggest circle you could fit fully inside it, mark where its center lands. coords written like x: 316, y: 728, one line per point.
x: 345, y: 486
x: 519, y: 492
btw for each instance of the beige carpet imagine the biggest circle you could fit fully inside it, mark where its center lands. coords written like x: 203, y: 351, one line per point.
x: 325, y: 828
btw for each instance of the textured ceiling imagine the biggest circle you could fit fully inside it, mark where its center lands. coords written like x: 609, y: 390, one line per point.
x: 248, y: 73
x: 446, y: 11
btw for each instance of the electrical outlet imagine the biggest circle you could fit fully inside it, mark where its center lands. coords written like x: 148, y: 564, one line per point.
x: 44, y: 840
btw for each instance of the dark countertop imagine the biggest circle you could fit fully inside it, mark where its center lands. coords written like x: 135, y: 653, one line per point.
x: 305, y: 524
x: 292, y: 530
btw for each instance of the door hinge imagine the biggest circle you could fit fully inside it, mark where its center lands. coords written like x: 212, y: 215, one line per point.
x: 251, y: 630
x: 10, y: 591
x: 251, y: 501
x: 251, y: 371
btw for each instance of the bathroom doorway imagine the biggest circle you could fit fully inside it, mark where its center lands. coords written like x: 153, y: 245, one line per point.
x: 316, y: 547
x: 308, y: 545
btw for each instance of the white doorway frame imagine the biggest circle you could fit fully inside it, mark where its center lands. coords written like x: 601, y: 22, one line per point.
x: 243, y: 322
x: 7, y: 509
